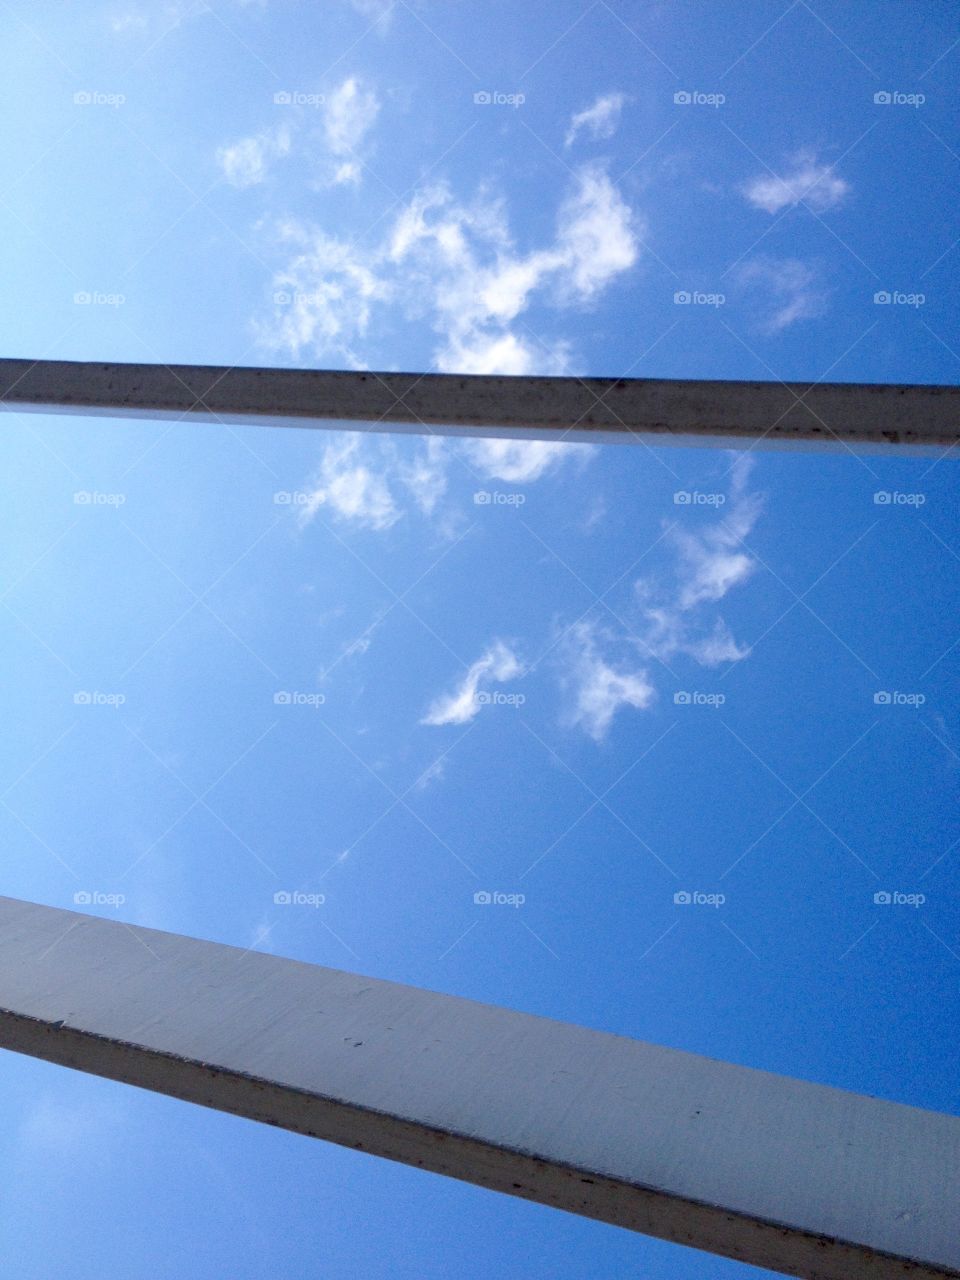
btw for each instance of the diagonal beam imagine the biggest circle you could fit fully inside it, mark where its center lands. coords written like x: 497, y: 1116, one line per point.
x: 798, y: 1177
x: 522, y: 407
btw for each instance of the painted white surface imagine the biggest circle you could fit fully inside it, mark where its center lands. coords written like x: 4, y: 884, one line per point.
x: 522, y: 407
x: 802, y: 1178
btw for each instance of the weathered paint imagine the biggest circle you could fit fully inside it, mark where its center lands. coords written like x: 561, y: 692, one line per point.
x: 616, y: 409
x: 802, y: 1178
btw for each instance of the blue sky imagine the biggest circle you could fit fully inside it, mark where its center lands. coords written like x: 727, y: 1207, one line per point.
x: 393, y: 672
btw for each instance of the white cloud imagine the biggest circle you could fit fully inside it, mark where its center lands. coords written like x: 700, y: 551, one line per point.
x: 808, y: 182
x: 497, y: 665
x: 600, y: 690
x: 351, y: 490
x: 597, y: 239
x: 456, y: 265
x: 520, y: 461
x: 712, y: 561
x: 464, y: 263
x: 505, y: 353
x: 426, y: 474
x: 346, y: 174
x: 790, y: 290
x: 600, y: 120
x: 323, y: 297
x: 348, y: 115
x: 245, y: 163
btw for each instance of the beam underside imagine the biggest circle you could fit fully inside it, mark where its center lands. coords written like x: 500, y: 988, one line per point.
x: 801, y: 1178
x: 615, y: 409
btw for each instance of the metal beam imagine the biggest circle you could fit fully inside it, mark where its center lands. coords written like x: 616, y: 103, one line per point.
x: 808, y: 1180
x: 616, y: 409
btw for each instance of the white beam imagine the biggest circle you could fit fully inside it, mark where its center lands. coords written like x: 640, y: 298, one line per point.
x: 808, y: 1180
x: 615, y: 409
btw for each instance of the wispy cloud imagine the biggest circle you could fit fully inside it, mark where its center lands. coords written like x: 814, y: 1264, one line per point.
x: 366, y: 481
x: 714, y: 560
x: 425, y: 474
x: 806, y: 181
x: 673, y: 617
x: 711, y: 561
x: 599, y: 120
x: 787, y: 290
x: 351, y: 490
x: 497, y: 665
x: 246, y: 163
x: 455, y: 265
x: 323, y: 297
x: 599, y: 688
x: 349, y: 114
x: 521, y: 461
